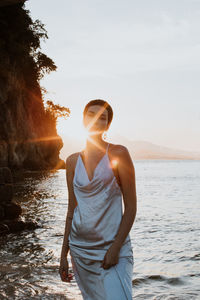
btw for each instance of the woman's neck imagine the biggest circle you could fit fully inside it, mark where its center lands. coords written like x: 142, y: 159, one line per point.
x: 95, y: 143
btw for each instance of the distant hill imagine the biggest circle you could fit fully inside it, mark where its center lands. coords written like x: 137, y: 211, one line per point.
x: 147, y: 150
x: 138, y: 149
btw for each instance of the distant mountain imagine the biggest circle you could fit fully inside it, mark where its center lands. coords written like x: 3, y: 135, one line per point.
x: 147, y: 150
x: 138, y: 149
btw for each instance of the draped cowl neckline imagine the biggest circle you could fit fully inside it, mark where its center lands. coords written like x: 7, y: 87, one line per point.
x: 97, y: 166
x: 94, y: 172
x: 103, y: 175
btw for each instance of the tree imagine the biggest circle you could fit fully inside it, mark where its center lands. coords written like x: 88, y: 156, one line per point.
x: 20, y: 44
x: 56, y: 111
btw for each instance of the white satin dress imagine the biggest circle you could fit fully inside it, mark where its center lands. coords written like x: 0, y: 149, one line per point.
x: 95, y: 223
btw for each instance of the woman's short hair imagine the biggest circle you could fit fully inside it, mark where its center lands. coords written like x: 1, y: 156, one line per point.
x: 102, y: 103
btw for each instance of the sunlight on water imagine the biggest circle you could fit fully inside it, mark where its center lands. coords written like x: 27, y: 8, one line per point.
x: 164, y: 236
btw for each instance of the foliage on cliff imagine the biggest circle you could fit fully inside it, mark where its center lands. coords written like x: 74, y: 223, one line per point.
x: 28, y: 135
x: 20, y: 39
x: 57, y: 111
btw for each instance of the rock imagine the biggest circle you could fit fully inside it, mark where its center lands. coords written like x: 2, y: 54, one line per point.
x: 4, y: 229
x: 1, y: 176
x: 31, y: 225
x: 5, y: 175
x: 2, y: 213
x: 6, y: 185
x: 6, y: 192
x: 12, y: 210
x: 3, y: 148
x: 13, y: 226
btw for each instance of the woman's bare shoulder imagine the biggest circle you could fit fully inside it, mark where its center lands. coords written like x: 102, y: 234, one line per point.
x: 118, y: 149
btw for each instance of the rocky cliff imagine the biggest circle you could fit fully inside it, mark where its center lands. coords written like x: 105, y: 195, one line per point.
x: 28, y: 135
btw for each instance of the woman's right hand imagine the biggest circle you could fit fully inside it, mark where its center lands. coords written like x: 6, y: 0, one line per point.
x: 64, y: 271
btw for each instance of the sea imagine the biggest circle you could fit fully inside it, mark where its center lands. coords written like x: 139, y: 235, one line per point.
x: 165, y: 235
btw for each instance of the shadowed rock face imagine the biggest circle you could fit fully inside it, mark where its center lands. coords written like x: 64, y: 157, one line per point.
x: 27, y: 138
x: 10, y: 2
x: 28, y: 135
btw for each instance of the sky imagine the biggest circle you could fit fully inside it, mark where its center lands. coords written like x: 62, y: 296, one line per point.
x: 141, y: 56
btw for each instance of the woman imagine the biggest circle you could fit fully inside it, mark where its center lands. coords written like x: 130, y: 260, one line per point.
x: 96, y: 230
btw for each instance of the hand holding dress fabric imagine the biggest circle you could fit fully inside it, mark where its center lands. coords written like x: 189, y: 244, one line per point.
x: 111, y: 257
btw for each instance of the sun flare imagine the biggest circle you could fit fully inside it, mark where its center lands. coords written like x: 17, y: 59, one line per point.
x: 114, y: 162
x: 74, y: 134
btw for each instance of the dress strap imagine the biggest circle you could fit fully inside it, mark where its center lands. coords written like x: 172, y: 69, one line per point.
x: 107, y: 148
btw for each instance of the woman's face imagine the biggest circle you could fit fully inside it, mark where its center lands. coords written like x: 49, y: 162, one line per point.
x: 96, y: 119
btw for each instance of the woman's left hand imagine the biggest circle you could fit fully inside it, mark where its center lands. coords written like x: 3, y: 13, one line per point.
x: 111, y: 257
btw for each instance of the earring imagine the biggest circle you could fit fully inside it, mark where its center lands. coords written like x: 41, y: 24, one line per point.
x: 105, y: 135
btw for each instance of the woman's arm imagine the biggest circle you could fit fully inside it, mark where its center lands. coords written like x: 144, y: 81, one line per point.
x: 127, y: 178
x: 71, y: 204
x: 126, y: 172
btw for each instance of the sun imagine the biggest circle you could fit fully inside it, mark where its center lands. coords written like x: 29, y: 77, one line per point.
x: 72, y: 128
